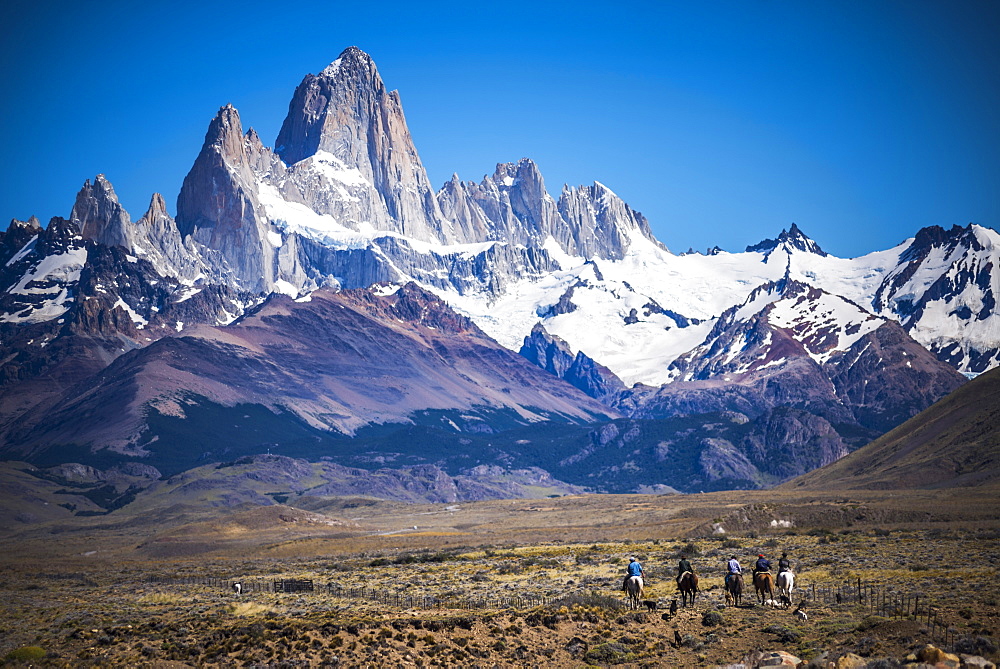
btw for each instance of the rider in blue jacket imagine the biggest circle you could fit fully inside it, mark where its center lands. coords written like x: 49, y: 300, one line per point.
x: 634, y: 569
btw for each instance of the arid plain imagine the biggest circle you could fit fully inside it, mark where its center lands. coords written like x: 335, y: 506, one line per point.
x: 528, y: 582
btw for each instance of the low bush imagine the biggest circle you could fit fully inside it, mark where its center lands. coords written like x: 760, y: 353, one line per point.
x: 25, y: 654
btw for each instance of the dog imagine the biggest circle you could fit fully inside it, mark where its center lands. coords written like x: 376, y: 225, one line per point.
x: 784, y: 602
x: 649, y: 604
x: 673, y: 606
x: 729, y: 599
x: 800, y: 614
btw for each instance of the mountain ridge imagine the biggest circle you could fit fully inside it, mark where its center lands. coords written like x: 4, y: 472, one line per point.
x: 578, y: 283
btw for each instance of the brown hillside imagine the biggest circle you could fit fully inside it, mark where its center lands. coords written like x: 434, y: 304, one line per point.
x: 955, y: 442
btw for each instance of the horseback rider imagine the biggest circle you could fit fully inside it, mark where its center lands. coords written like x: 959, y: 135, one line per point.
x: 784, y: 564
x: 762, y: 565
x: 733, y: 568
x: 683, y: 566
x: 634, y: 569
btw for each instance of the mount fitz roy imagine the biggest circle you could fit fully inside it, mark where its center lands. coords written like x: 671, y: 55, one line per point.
x: 322, y: 299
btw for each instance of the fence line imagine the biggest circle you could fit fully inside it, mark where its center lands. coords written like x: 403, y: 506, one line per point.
x: 876, y: 599
x: 361, y: 592
x: 888, y: 602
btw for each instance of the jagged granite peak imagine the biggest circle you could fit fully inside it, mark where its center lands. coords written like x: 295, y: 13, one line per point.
x: 346, y: 112
x: 158, y: 240
x: 600, y: 223
x: 100, y: 216
x: 790, y: 240
x: 514, y: 205
x: 466, y: 218
x: 935, y: 236
x: 219, y: 205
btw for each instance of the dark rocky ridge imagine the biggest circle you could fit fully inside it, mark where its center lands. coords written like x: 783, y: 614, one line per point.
x: 336, y: 363
x: 952, y: 443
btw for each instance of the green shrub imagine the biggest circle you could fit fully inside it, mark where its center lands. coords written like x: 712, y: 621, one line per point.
x: 25, y: 654
x: 609, y: 653
x: 711, y: 619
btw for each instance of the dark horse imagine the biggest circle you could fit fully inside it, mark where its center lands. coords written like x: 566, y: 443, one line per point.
x: 688, y: 585
x: 763, y: 584
x: 734, y: 588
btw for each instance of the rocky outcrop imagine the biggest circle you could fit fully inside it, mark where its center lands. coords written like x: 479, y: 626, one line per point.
x: 886, y: 377
x: 554, y: 356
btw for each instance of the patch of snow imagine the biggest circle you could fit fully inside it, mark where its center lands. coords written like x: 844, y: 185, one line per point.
x: 137, y: 319
x: 25, y: 250
x: 385, y: 289
x: 285, y: 288
x: 62, y: 268
x: 187, y: 294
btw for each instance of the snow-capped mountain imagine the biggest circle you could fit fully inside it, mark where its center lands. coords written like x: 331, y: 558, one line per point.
x: 782, y: 333
x: 943, y: 291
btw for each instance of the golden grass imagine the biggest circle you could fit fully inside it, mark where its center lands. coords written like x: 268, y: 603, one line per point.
x: 250, y: 609
x: 163, y: 598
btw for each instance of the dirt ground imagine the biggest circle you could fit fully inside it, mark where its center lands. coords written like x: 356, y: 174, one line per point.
x: 115, y: 594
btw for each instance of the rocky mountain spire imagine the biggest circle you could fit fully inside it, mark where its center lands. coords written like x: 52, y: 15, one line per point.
x: 346, y: 111
x: 219, y: 205
x: 791, y: 239
x: 100, y: 216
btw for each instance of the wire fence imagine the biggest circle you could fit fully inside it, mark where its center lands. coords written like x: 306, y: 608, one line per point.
x: 887, y: 601
x: 873, y: 598
x: 384, y: 597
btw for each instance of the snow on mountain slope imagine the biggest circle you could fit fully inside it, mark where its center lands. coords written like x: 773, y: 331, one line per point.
x: 636, y: 315
x: 944, y: 292
x: 743, y: 339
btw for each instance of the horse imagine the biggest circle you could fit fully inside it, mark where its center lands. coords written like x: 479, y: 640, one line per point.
x: 734, y: 588
x: 785, y: 583
x: 688, y: 585
x: 763, y: 584
x: 633, y: 588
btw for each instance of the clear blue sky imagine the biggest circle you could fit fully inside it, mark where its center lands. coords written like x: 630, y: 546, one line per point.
x: 723, y: 122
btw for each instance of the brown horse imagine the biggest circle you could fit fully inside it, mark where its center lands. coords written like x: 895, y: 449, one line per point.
x: 734, y: 588
x: 763, y: 584
x: 688, y: 585
x: 633, y: 588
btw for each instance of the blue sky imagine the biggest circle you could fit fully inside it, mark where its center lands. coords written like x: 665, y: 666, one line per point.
x: 723, y: 122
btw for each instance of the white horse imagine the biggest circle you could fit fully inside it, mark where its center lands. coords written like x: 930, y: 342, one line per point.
x: 633, y: 588
x: 785, y: 584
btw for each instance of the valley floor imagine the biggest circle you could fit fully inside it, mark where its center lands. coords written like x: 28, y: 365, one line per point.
x: 110, y: 594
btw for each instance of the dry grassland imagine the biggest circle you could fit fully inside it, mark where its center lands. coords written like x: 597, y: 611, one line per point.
x: 82, y: 596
